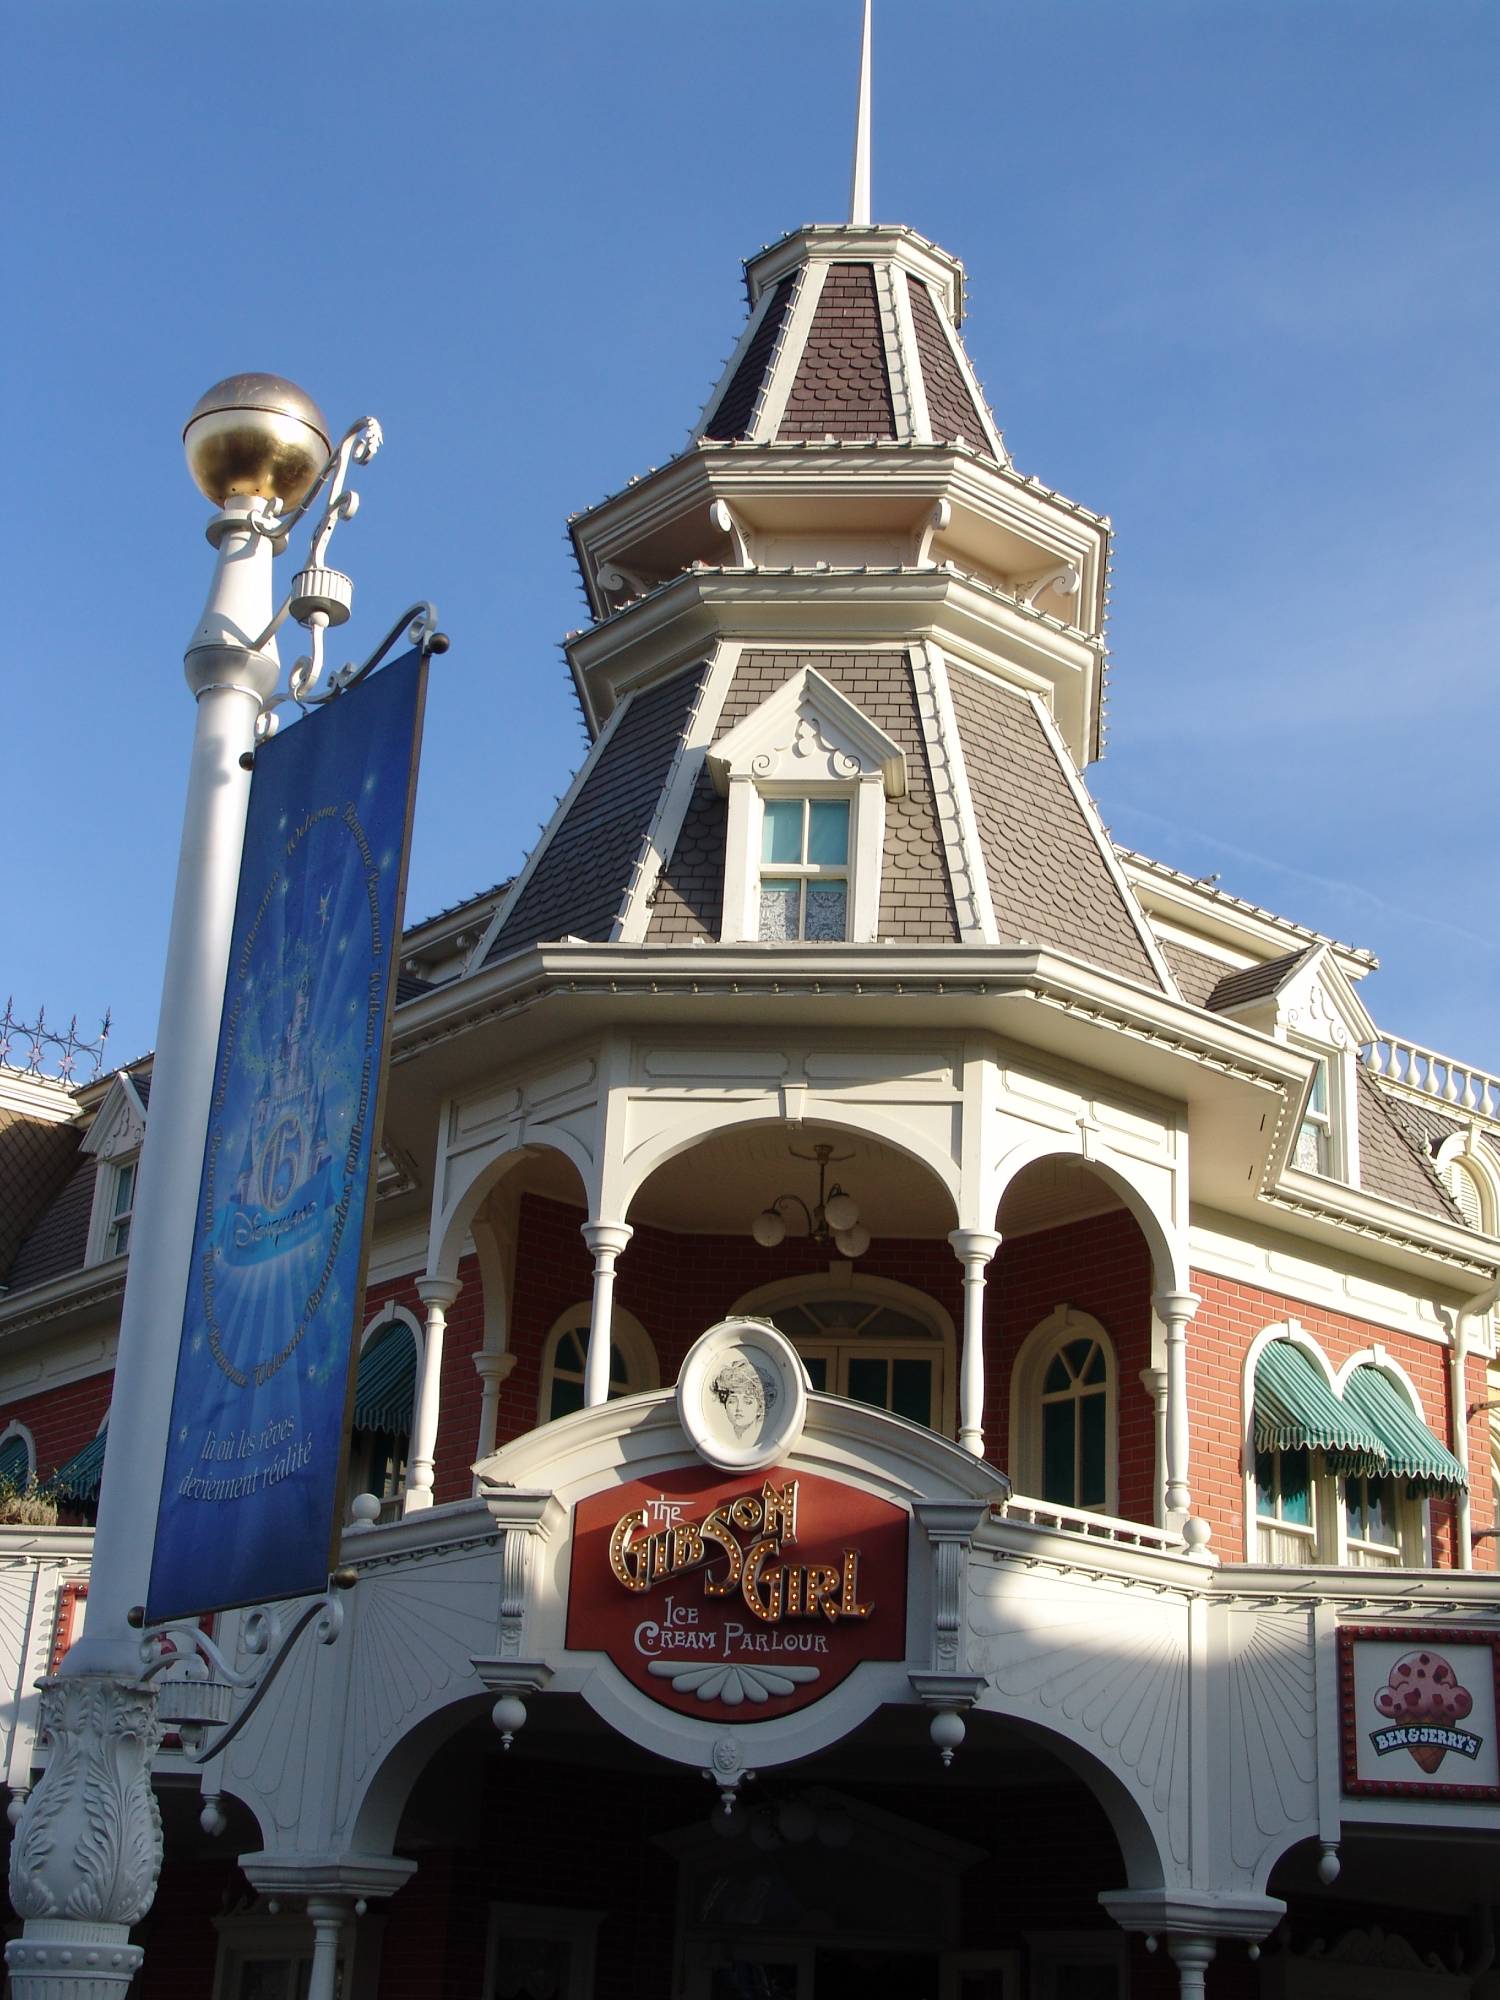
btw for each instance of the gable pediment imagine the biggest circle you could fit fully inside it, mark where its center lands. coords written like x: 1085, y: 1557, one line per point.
x: 119, y: 1124
x: 807, y: 732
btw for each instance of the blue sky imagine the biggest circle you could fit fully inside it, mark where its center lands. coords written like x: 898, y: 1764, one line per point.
x: 1233, y: 282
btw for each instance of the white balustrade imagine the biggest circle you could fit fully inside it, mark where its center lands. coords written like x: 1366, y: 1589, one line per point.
x: 1425, y: 1073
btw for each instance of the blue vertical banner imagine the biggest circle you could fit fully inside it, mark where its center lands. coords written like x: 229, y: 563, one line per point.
x: 252, y: 1490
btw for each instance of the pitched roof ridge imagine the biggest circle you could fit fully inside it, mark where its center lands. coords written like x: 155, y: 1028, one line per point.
x: 1371, y: 1093
x: 1258, y: 981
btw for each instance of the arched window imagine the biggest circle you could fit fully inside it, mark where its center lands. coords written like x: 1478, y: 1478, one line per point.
x: 872, y: 1340
x: 632, y: 1360
x: 385, y: 1390
x: 17, y: 1459
x: 1463, y: 1185
x: 1063, y: 1413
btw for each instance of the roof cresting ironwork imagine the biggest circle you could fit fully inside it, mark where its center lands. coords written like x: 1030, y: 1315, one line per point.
x: 49, y: 1052
x: 859, y: 185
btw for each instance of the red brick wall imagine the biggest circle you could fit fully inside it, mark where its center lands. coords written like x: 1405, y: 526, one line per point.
x: 61, y: 1421
x: 1227, y: 1321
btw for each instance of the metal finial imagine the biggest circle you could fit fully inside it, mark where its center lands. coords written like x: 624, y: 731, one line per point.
x: 859, y: 186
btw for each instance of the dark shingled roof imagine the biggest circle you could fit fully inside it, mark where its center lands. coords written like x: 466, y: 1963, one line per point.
x: 59, y: 1242
x: 841, y: 388
x: 737, y: 405
x: 1049, y: 881
x: 950, y: 407
x: 916, y: 904
x: 36, y: 1155
x: 579, y: 885
x: 1255, y: 982
x: 1196, y: 974
x: 1393, y: 1165
x: 1426, y: 1129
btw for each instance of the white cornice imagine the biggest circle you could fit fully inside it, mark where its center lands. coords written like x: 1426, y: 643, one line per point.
x: 45, y: 1098
x: 1199, y: 906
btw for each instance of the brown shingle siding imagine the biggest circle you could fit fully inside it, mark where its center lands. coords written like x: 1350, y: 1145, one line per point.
x: 36, y: 1155
x: 1049, y: 882
x: 580, y: 882
x: 59, y: 1242
x: 1196, y: 974
x: 1391, y: 1163
x: 737, y: 405
x: 1255, y: 982
x: 916, y: 903
x: 950, y: 407
x: 841, y: 389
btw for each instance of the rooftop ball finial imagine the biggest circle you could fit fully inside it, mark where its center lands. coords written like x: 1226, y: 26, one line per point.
x: 255, y: 434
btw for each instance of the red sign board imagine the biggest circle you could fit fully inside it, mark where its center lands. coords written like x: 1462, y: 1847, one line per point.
x: 738, y: 1597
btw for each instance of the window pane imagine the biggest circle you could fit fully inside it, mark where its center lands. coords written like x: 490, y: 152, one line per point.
x: 1296, y: 1488
x: 571, y: 1348
x: 1057, y: 1453
x: 817, y: 1369
x: 827, y: 834
x: 124, y: 1190
x: 1319, y: 1100
x: 869, y: 1380
x: 1265, y: 1485
x: 1094, y: 1368
x: 781, y: 830
x: 566, y: 1397
x: 1091, y: 1413
x: 900, y: 1326
x: 911, y: 1390
x: 778, y: 911
x: 1309, y: 1155
x: 827, y: 904
x: 120, y: 1233
x: 1057, y: 1377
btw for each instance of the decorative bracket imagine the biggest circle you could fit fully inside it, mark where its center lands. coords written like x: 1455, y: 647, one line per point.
x: 195, y: 1702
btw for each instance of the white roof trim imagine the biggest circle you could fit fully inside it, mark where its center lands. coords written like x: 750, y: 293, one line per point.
x: 807, y: 703
x: 119, y: 1125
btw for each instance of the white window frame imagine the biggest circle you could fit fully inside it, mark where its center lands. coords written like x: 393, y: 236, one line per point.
x: 637, y: 1351
x: 806, y: 740
x: 578, y: 1929
x: 1062, y: 1326
x: 15, y: 1429
x: 359, y: 1482
x: 806, y: 873
x: 845, y: 1283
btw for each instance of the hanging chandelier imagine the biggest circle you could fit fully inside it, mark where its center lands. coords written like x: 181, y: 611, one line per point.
x: 834, y: 1218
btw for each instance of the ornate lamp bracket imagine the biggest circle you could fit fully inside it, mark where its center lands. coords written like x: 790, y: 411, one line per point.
x: 194, y: 1702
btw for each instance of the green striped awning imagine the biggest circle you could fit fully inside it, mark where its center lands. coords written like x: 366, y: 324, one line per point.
x: 1295, y: 1408
x: 386, y: 1385
x: 79, y: 1478
x: 1412, y: 1452
x: 15, y: 1463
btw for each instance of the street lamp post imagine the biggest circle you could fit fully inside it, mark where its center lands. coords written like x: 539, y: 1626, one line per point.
x: 87, y: 1849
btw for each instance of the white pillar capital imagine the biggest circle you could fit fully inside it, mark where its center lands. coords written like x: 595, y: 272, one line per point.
x: 974, y: 1246
x: 606, y: 1239
x: 438, y: 1291
x: 1176, y: 1308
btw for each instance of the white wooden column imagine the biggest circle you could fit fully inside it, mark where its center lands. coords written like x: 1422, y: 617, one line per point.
x: 1458, y: 1394
x: 437, y: 1294
x: 492, y: 1370
x: 1175, y: 1309
x: 327, y: 1914
x: 1154, y: 1382
x: 1192, y: 1956
x: 605, y: 1240
x: 973, y: 1249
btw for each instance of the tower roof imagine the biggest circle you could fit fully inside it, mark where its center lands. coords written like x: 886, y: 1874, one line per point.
x: 853, y: 333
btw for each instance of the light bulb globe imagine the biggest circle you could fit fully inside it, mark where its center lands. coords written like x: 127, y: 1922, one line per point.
x: 841, y: 1211
x: 768, y: 1229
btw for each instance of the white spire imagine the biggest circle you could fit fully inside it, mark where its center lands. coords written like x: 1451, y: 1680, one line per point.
x: 859, y: 185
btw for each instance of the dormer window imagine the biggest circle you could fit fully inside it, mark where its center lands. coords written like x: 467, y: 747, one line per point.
x: 807, y: 776
x: 114, y: 1139
x: 804, y: 879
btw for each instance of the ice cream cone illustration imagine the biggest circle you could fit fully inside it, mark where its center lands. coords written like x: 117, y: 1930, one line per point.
x: 1423, y: 1690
